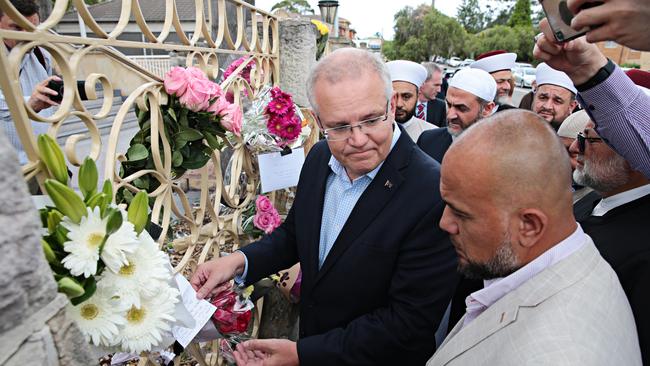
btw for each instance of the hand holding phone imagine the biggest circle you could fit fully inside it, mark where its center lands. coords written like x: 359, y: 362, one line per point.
x: 559, y: 18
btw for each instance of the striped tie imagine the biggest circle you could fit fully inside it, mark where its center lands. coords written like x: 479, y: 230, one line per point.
x: 420, y: 111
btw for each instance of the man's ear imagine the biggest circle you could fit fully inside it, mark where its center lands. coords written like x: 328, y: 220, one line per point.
x: 532, y: 226
x: 573, y: 105
x: 489, y: 109
x: 393, y: 103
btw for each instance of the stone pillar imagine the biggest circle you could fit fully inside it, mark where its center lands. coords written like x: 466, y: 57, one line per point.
x: 297, y: 57
x: 33, y: 327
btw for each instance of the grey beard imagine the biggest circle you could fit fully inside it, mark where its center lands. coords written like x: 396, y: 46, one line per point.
x: 503, y: 263
x: 604, y: 176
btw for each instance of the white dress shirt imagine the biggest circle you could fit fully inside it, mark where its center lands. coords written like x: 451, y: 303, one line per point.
x: 611, y: 202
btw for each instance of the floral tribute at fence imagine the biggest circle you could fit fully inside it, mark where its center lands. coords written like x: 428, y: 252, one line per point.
x: 103, y: 259
x: 196, y: 118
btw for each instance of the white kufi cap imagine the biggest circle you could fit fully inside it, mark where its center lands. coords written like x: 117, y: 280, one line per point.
x: 547, y: 75
x: 409, y: 71
x: 475, y: 81
x: 574, y: 124
x: 502, y: 61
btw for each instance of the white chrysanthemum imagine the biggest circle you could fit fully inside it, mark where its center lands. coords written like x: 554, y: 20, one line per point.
x: 84, y: 240
x: 146, y: 325
x: 98, y: 318
x: 147, y: 267
x: 118, y: 244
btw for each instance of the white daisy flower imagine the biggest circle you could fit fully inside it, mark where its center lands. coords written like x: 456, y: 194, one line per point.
x: 147, y: 267
x: 98, y: 318
x: 84, y: 240
x: 147, y: 325
x: 118, y: 244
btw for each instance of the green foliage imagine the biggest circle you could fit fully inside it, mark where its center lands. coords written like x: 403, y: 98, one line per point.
x: 470, y: 16
x: 519, y: 40
x: 521, y: 15
x: 294, y: 6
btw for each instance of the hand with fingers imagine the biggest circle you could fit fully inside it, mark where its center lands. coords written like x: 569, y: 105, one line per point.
x: 579, y: 59
x: 267, y: 352
x: 40, y: 98
x: 209, y: 277
x: 623, y: 21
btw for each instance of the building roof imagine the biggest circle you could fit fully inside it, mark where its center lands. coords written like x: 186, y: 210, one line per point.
x: 153, y: 11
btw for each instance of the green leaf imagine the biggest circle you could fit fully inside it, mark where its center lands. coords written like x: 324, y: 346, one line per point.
x: 88, y: 177
x: 138, y: 212
x: 137, y: 152
x: 189, y: 134
x: 65, y: 200
x: 114, y: 221
x: 89, y: 287
x: 177, y: 158
x: 172, y: 114
x: 182, y: 120
x: 212, y: 141
x: 70, y: 287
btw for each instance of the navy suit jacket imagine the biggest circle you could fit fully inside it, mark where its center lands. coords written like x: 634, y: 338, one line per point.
x: 437, y: 112
x: 435, y: 143
x: 385, y: 284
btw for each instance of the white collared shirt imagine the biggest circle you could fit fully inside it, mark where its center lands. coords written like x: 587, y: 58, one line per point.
x: 610, y: 203
x: 495, y: 289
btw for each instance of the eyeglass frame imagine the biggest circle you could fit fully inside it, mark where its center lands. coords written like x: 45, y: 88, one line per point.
x: 582, y: 141
x: 349, y: 127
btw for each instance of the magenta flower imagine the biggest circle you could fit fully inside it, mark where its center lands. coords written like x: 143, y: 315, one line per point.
x: 267, y: 221
x: 278, y: 107
x: 245, y: 72
x: 231, y: 115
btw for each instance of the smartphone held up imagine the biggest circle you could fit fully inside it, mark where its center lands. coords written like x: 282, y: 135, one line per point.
x: 559, y: 18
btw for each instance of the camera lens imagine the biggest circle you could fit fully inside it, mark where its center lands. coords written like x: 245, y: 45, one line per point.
x: 559, y: 36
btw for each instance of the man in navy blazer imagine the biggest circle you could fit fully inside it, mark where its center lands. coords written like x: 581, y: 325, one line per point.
x: 378, y: 272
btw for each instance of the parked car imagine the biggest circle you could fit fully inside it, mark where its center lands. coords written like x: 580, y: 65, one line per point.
x: 454, y: 62
x: 522, y: 65
x: 525, y: 77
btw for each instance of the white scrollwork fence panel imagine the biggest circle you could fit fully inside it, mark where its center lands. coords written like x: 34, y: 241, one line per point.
x: 256, y: 36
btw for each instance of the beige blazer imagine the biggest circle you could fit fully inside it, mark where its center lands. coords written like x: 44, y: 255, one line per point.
x: 572, y: 313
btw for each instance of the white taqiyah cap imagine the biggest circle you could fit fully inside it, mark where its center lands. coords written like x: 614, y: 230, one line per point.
x: 409, y: 71
x: 475, y: 81
x: 574, y: 124
x: 502, y: 61
x: 547, y: 75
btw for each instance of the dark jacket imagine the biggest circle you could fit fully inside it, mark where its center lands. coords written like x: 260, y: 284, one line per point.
x: 435, y: 143
x: 384, y: 286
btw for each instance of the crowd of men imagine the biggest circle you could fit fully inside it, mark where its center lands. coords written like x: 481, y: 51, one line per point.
x: 437, y: 224
x: 545, y: 209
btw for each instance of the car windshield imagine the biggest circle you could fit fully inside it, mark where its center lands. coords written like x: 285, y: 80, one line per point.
x: 530, y: 71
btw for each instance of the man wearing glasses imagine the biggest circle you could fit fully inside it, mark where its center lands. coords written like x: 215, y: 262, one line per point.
x: 378, y: 272
x: 616, y: 216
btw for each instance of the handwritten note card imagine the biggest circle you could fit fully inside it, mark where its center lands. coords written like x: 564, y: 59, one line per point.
x: 200, y: 310
x: 279, y: 172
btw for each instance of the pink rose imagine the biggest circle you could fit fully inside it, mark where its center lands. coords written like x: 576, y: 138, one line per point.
x: 176, y: 81
x: 267, y: 221
x: 232, y: 120
x: 195, y: 73
x: 264, y: 204
x: 197, y: 94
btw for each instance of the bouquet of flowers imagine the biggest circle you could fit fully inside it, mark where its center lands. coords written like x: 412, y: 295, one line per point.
x: 116, y: 278
x: 196, y: 118
x: 274, y: 122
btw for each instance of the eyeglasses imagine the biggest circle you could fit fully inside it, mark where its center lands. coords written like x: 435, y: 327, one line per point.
x: 582, y: 141
x: 344, y: 132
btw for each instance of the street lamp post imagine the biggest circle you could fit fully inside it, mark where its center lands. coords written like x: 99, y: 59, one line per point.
x: 328, y: 10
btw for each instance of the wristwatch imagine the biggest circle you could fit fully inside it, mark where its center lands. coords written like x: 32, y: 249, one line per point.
x: 600, y: 76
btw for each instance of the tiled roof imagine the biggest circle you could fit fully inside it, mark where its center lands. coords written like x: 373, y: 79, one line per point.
x: 153, y: 11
